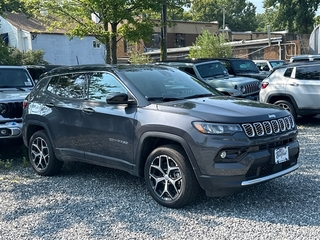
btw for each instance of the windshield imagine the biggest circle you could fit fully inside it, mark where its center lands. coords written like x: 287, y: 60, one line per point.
x: 14, y: 78
x: 245, y: 66
x: 168, y: 84
x: 210, y: 70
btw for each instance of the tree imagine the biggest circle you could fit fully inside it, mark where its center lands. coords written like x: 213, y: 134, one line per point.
x: 10, y: 5
x: 115, y: 19
x: 239, y: 15
x: 209, y: 46
x: 296, y: 16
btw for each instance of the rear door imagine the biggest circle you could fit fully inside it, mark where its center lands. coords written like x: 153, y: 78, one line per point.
x: 305, y: 86
x: 63, y: 114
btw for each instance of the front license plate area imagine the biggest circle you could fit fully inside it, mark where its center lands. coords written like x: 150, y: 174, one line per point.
x: 281, y: 155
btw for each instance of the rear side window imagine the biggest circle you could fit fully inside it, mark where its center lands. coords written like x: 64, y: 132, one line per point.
x: 288, y: 72
x: 308, y: 73
x: 69, y: 86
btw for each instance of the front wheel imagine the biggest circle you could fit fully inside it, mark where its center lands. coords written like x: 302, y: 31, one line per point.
x: 169, y: 177
x: 287, y: 106
x: 41, y: 155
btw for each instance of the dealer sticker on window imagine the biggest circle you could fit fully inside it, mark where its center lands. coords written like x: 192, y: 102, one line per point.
x: 281, y: 154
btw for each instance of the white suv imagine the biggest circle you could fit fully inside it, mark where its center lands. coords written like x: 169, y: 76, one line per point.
x: 295, y: 87
x: 15, y: 84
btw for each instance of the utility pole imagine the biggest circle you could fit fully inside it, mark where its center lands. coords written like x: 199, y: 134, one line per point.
x: 163, y: 45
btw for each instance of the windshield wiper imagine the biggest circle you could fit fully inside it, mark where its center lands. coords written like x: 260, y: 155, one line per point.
x: 199, y: 95
x: 18, y: 88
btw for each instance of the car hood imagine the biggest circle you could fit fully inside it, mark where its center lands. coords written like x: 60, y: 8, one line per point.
x: 259, y: 76
x: 224, y: 109
x: 12, y: 94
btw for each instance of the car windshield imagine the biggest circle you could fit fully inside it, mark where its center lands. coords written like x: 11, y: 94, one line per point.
x: 276, y: 63
x: 212, y: 70
x: 168, y: 84
x: 245, y: 66
x: 14, y: 78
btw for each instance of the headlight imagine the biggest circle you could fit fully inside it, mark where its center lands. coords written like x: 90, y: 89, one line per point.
x: 217, y: 128
x: 3, y: 108
x: 243, y: 89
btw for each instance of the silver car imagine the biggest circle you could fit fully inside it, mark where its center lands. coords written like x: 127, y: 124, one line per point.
x: 295, y: 87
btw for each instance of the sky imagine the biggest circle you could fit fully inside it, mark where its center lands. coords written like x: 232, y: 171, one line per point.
x: 259, y: 5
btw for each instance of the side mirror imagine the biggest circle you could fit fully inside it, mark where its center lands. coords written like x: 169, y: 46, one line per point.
x: 118, y: 98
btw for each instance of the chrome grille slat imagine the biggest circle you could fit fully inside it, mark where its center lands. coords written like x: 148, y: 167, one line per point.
x: 269, y: 127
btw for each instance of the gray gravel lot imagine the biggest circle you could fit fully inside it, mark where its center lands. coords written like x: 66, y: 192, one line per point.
x: 91, y: 202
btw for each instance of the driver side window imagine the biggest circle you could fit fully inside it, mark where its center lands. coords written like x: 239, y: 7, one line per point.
x: 102, y: 83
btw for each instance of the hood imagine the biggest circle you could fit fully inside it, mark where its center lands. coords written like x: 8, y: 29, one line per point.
x: 259, y: 75
x: 224, y: 109
x: 12, y: 94
x: 242, y: 80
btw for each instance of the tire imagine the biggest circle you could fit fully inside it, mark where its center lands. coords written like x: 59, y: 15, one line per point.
x: 287, y: 106
x: 41, y: 155
x: 172, y: 187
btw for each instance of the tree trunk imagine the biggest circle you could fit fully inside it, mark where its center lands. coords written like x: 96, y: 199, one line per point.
x: 107, y: 45
x: 114, y: 43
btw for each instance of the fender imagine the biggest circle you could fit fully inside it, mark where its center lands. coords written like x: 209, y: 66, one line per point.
x: 168, y: 136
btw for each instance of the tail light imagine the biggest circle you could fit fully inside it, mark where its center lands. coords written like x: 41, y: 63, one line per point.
x: 264, y: 85
x: 25, y: 102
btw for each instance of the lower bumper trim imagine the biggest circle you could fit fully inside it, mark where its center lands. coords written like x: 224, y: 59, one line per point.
x: 269, y: 177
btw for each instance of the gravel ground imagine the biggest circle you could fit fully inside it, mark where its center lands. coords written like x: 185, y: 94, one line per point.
x: 90, y: 202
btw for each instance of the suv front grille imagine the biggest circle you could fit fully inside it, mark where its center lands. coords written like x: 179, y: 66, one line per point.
x: 252, y: 88
x: 259, y: 129
x: 13, y: 110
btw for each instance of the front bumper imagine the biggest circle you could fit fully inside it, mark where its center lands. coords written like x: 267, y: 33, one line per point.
x: 254, y: 168
x: 10, y: 129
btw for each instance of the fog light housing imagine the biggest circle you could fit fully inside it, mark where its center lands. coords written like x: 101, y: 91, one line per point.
x: 5, y: 132
x: 223, y: 154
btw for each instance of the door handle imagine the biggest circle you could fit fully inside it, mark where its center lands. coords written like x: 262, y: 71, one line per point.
x: 294, y: 84
x: 88, y: 110
x: 50, y: 105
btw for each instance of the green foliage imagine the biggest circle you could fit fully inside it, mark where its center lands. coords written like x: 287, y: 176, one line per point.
x: 210, y: 46
x: 295, y: 16
x: 138, y: 58
x: 239, y: 15
x: 6, y: 163
x: 12, y: 56
x: 10, y: 5
x: 116, y: 19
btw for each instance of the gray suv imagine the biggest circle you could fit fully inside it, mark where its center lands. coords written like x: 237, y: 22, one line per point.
x: 159, y: 123
x: 295, y: 87
x: 216, y: 75
x: 15, y: 85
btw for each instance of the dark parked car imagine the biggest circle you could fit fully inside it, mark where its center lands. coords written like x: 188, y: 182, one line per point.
x: 243, y: 67
x: 159, y: 123
x: 15, y: 85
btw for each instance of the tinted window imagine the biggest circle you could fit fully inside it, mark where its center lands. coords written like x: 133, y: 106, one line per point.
x: 308, y: 73
x: 288, y: 72
x: 69, y: 86
x: 211, y: 69
x: 103, y: 83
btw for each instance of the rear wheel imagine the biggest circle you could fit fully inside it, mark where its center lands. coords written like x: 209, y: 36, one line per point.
x: 287, y: 106
x: 41, y: 155
x: 169, y: 177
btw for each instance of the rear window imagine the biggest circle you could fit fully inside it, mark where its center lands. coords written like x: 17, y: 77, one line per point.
x: 13, y: 78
